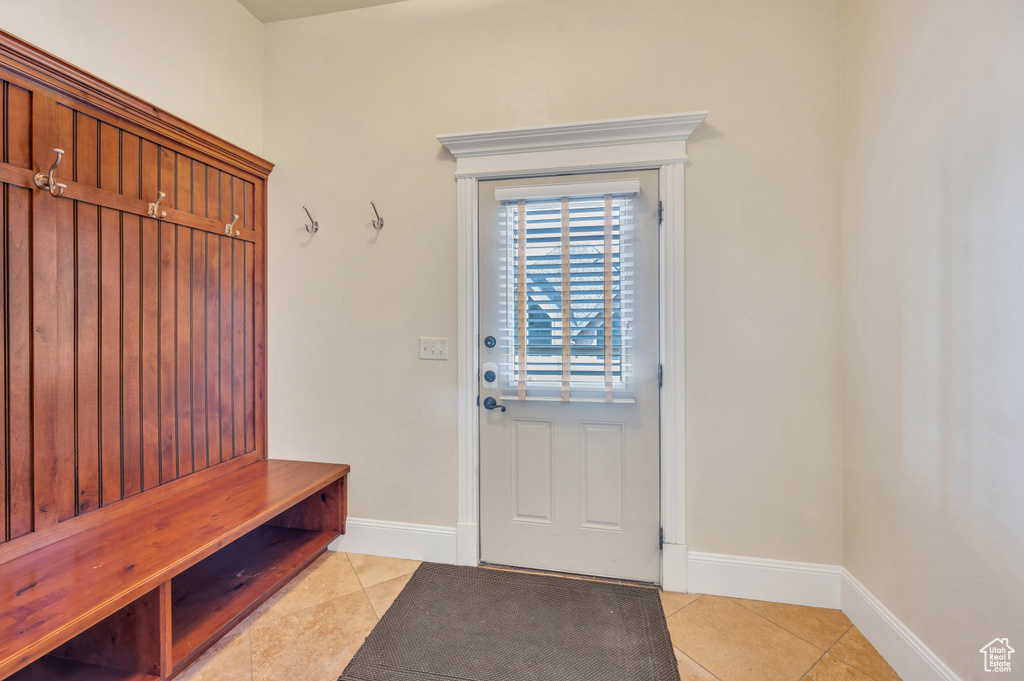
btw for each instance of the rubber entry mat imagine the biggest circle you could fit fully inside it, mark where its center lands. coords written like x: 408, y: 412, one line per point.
x: 474, y: 624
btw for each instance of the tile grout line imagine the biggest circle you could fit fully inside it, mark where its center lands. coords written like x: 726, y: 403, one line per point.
x: 737, y: 602
x: 248, y: 631
x: 699, y: 596
x: 847, y: 631
x: 712, y: 675
x: 818, y: 661
x: 854, y: 666
x: 355, y: 572
x: 361, y: 586
x: 675, y: 612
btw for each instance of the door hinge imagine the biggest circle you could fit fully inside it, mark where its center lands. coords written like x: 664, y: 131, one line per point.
x: 661, y: 374
x: 661, y: 537
x: 661, y: 213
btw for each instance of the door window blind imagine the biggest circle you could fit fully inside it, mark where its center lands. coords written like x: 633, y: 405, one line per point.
x: 567, y: 293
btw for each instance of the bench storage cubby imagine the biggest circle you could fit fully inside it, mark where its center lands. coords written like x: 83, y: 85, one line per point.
x: 145, y: 594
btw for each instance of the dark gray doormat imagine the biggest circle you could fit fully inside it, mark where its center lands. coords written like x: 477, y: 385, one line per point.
x: 473, y: 624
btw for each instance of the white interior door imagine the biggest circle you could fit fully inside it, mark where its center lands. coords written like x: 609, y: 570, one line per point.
x: 569, y: 396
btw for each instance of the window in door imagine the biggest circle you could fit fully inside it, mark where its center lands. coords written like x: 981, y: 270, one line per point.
x: 566, y: 291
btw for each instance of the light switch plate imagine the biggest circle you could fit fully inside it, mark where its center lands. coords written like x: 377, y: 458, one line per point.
x: 433, y: 348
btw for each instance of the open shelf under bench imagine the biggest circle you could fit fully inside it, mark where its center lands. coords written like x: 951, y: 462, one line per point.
x: 210, y: 598
x: 140, y: 597
x: 50, y: 668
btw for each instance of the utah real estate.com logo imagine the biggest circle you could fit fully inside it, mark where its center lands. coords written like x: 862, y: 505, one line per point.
x: 997, y: 655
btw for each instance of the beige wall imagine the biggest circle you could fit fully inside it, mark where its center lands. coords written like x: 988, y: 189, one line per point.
x: 353, y: 103
x: 201, y: 60
x: 933, y: 287
x: 932, y: 306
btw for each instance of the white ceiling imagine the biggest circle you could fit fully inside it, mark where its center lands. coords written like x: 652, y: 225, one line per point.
x: 279, y: 10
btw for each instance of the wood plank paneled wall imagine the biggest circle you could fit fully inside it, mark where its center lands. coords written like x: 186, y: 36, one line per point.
x: 132, y: 346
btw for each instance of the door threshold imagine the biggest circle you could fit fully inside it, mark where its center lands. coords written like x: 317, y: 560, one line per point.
x: 570, y: 575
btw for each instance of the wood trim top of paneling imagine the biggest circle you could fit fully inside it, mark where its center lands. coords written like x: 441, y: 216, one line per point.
x: 58, y: 75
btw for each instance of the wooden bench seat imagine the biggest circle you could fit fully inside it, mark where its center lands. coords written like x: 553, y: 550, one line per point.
x: 142, y: 595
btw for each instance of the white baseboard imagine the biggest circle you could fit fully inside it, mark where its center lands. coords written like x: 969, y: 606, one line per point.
x: 468, y: 544
x: 905, y: 652
x: 822, y: 586
x: 673, y: 567
x: 780, y: 581
x: 763, y: 579
x: 398, y: 540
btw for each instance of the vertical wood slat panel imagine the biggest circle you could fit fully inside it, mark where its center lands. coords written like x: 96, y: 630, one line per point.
x: 250, y: 206
x: 110, y: 320
x: 65, y: 436
x: 65, y: 131
x: 212, y: 193
x: 199, y: 198
x: 200, y: 456
x: 3, y: 324
x: 150, y: 359
x: 87, y: 356
x: 168, y: 348
x: 86, y: 150
x: 5, y: 461
x: 131, y: 165
x: 183, y: 354
x: 52, y: 351
x: 237, y: 204
x: 238, y: 347
x: 238, y: 326
x: 259, y: 321
x: 167, y: 177
x: 131, y: 303
x: 45, y: 337
x: 213, y: 257
x: 4, y: 449
x: 19, y: 127
x: 183, y: 185
x: 225, y: 197
x: 19, y: 363
x: 150, y: 323
x: 109, y: 158
x: 250, y: 374
x: 225, y: 345
x: 3, y: 187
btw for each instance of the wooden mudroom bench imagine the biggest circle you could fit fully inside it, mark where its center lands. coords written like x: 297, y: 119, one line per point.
x: 141, y: 516
x: 142, y: 595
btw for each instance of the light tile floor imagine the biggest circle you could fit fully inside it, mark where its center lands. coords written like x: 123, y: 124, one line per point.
x: 312, y: 628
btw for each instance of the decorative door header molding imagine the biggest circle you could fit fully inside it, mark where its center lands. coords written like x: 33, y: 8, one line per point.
x: 642, y: 141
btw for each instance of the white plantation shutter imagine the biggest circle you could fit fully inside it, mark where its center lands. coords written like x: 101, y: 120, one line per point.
x: 567, y: 287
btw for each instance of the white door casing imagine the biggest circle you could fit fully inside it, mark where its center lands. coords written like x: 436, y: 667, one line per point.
x: 620, y: 144
x: 569, y: 448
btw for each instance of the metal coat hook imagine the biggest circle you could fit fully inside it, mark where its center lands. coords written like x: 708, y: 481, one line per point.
x: 48, y: 181
x: 230, y: 227
x: 154, y: 208
x: 314, y: 226
x: 378, y: 224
